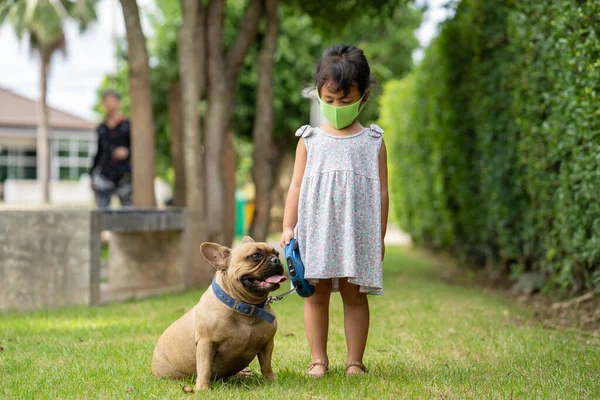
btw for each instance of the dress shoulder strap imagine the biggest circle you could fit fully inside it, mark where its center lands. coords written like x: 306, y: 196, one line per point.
x: 305, y: 131
x: 375, y: 131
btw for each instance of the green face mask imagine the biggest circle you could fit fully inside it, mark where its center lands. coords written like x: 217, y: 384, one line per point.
x: 340, y: 117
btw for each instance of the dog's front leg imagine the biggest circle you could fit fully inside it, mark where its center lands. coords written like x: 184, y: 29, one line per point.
x: 204, y: 356
x: 264, y: 359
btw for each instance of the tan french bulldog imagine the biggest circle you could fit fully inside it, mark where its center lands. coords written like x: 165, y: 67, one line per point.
x: 231, y: 324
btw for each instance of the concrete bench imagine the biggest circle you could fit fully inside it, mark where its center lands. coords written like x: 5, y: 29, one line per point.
x: 51, y: 258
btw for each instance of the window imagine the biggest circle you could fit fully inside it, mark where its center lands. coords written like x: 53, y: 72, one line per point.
x: 30, y: 173
x: 70, y: 159
x: 13, y: 172
x: 73, y: 157
x: 64, y: 173
x: 17, y: 164
x: 84, y: 149
x: 63, y: 147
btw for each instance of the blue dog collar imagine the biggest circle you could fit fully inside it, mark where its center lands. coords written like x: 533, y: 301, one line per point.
x: 241, y: 307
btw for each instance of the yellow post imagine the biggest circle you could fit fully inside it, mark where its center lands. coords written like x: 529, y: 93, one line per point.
x: 249, y: 214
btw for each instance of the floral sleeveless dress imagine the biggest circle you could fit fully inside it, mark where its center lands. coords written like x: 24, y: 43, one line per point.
x: 339, y: 211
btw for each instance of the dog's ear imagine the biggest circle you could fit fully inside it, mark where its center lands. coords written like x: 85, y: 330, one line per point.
x: 248, y: 239
x: 215, y: 254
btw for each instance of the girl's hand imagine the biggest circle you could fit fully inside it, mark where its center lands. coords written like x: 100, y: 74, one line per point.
x: 286, y: 236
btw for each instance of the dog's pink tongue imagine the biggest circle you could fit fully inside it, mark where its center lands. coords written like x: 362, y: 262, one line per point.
x: 276, y: 279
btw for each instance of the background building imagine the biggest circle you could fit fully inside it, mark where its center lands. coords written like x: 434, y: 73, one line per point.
x: 72, y: 146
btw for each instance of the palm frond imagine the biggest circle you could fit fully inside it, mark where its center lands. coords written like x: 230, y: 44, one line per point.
x: 5, y: 8
x: 60, y: 8
x: 30, y: 8
x: 82, y: 11
x: 16, y: 17
x: 43, y: 20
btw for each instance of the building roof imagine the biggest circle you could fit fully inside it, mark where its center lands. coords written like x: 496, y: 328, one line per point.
x: 20, y: 111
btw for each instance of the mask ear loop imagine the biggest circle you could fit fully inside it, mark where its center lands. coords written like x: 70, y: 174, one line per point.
x: 363, y: 105
x: 318, y: 95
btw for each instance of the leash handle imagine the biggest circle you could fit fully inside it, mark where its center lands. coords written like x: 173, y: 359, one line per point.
x: 296, y: 269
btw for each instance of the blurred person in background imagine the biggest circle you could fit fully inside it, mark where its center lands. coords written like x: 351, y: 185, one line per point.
x: 111, y: 170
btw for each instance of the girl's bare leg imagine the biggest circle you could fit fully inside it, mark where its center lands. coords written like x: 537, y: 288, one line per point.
x: 356, y: 322
x: 316, y: 323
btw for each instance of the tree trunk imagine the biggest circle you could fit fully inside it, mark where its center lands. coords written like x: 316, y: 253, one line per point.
x: 229, y: 164
x: 222, y: 75
x: 175, y: 129
x: 245, y: 36
x: 142, y: 123
x: 214, y: 128
x: 263, y: 171
x: 276, y: 215
x: 191, y: 71
x: 283, y: 177
x: 43, y: 134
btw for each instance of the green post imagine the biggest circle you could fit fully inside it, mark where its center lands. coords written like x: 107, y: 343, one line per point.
x: 240, y: 214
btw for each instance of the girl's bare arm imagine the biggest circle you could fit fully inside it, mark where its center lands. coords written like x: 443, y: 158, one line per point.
x: 385, y: 202
x: 290, y: 214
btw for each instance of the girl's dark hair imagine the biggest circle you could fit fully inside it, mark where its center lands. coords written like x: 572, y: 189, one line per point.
x: 341, y: 66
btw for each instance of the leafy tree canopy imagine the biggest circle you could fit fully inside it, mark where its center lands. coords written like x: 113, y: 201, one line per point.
x: 386, y: 36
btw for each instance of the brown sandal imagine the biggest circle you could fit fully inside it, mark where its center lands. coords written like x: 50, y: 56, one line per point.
x: 358, y: 364
x: 313, y: 364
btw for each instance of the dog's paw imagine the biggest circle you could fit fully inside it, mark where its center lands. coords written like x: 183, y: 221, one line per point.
x: 202, y: 386
x: 270, y: 377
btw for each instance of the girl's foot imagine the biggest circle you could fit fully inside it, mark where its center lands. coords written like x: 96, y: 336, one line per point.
x: 318, y: 368
x: 355, y: 368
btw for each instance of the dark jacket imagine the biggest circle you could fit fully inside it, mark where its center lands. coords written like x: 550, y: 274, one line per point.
x: 108, y: 141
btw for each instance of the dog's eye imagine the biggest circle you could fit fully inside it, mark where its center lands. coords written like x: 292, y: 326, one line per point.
x: 256, y: 256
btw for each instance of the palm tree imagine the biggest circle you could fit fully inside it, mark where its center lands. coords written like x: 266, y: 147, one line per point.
x: 42, y: 22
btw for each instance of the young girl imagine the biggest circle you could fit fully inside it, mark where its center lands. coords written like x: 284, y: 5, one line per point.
x: 337, y: 206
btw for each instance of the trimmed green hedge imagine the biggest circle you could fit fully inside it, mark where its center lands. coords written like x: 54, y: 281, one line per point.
x: 495, y: 139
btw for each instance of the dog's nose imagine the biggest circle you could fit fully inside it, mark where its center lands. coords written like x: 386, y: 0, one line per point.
x: 274, y: 260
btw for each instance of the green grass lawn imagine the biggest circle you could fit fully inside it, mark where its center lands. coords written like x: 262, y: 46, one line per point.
x: 429, y: 339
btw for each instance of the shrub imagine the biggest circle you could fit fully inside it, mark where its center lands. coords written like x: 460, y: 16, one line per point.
x: 495, y: 139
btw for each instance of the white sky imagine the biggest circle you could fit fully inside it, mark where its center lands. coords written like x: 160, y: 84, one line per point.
x: 74, y: 80
x: 429, y: 27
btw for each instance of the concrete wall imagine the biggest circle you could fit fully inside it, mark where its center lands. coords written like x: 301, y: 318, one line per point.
x: 68, y: 192
x: 22, y: 191
x: 50, y: 258
x: 47, y: 259
x: 143, y: 264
